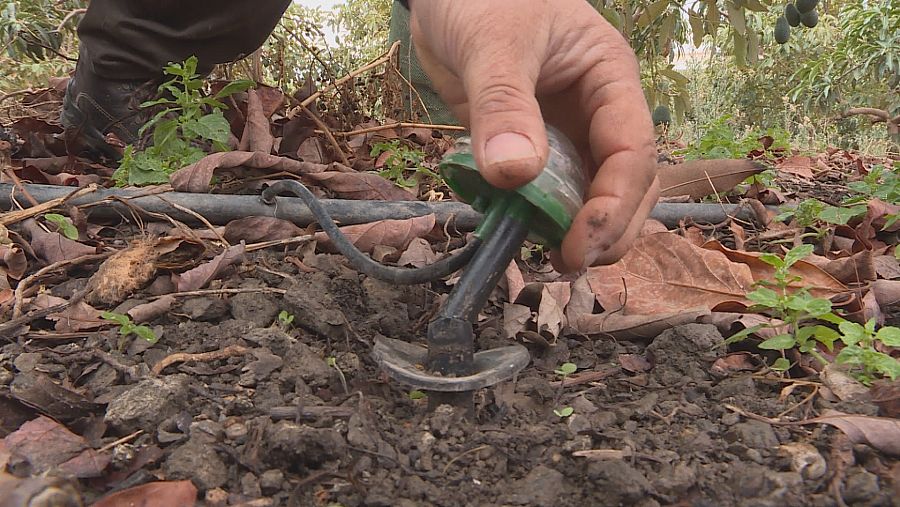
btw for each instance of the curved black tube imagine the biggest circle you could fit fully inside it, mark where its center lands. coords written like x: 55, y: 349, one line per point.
x: 360, y: 261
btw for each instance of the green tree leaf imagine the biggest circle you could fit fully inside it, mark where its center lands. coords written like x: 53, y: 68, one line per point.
x: 780, y: 342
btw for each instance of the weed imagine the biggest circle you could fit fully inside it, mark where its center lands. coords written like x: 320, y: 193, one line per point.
x: 63, y: 224
x: 415, y: 394
x: 564, y: 371
x: 563, y: 412
x: 799, y: 310
x: 720, y: 140
x: 127, y: 327
x: 285, y: 319
x: 401, y: 159
x: 812, y: 213
x: 179, y: 127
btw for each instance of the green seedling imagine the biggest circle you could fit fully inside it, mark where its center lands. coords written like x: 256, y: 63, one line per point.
x: 285, y: 319
x: 127, y: 327
x: 415, y: 394
x: 63, y: 224
x: 859, y: 350
x: 332, y: 362
x: 565, y: 369
x: 188, y: 121
x: 563, y: 412
x: 401, y: 160
x: 813, y: 213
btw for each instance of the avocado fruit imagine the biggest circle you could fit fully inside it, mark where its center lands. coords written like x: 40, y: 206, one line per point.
x: 792, y: 15
x: 810, y: 19
x: 661, y: 116
x: 805, y: 6
x: 782, y: 30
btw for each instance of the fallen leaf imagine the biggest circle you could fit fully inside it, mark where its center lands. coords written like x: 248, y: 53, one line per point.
x: 394, y: 233
x: 257, y: 135
x: 45, y: 444
x: 699, y: 178
x: 734, y: 362
x: 886, y: 394
x: 881, y: 433
x: 197, y: 176
x: 149, y: 311
x: 362, y: 186
x: 418, y: 254
x: 798, y: 165
x: 514, y: 280
x: 515, y: 319
x: 54, y: 247
x: 198, y: 277
x: 13, y: 260
x: 78, y: 317
x: 855, y: 269
x: 886, y: 293
x: 664, y: 273
x: 311, y: 150
x: 887, y: 266
x: 153, y: 494
x: 258, y: 228
x: 551, y: 315
x: 725, y: 322
x: 634, y: 363
x: 877, y: 213
x: 841, y: 384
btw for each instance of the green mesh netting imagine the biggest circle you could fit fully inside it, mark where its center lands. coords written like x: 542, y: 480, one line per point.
x: 438, y: 112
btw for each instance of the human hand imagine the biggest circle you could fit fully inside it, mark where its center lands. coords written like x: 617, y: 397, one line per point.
x: 507, y: 66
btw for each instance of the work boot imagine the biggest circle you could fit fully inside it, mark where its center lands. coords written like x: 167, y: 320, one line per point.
x: 95, y: 107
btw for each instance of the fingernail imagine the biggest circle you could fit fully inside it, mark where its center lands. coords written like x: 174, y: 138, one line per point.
x: 508, y: 147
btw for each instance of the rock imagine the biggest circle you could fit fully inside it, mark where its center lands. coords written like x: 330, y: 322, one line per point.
x: 314, y: 308
x: 753, y: 434
x: 675, y: 480
x: 198, y: 462
x: 307, y: 364
x: 266, y: 362
x: 271, y: 481
x: 205, y: 309
x: 147, y: 403
x: 622, y: 483
x: 542, y: 487
x: 683, y: 353
x: 295, y: 444
x: 250, y: 486
x: 861, y: 487
x: 260, y: 309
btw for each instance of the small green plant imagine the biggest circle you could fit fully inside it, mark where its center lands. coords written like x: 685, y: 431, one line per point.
x: 179, y: 128
x: 563, y: 412
x: 285, y: 319
x: 881, y: 183
x: 719, y: 140
x: 415, y: 394
x: 859, y: 350
x: 799, y: 311
x: 565, y: 370
x: 812, y: 213
x: 63, y: 224
x: 795, y: 308
x: 400, y: 160
x: 332, y: 362
x: 127, y: 327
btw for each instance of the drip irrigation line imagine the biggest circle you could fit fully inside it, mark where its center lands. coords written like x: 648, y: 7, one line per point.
x: 219, y: 209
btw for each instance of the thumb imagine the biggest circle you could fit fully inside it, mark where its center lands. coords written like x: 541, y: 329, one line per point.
x: 508, y: 135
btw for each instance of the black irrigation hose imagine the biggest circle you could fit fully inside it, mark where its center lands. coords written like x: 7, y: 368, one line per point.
x: 359, y: 260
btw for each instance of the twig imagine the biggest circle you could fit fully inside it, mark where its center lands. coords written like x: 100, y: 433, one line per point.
x: 215, y: 292
x: 369, y: 66
x: 399, y: 125
x: 17, y: 216
x: 184, y: 357
x: 199, y: 217
x: 327, y: 131
x: 120, y: 441
x: 584, y: 378
x: 18, y: 183
x: 7, y: 327
x: 69, y: 16
x: 252, y: 247
x: 815, y: 390
x: 19, y: 293
x: 465, y: 453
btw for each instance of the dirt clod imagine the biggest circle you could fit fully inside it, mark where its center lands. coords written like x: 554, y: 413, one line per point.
x: 145, y: 404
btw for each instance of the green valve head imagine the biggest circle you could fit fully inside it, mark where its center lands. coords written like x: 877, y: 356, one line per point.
x: 556, y: 194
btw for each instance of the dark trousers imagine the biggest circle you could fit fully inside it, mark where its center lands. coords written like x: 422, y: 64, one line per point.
x: 134, y: 39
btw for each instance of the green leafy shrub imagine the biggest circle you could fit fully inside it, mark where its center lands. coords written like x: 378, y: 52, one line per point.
x: 402, y: 159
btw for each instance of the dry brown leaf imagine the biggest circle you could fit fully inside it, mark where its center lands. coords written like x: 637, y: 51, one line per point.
x: 881, y: 433
x: 886, y: 293
x: 515, y: 319
x: 311, y: 150
x: 886, y: 394
x: 45, y: 444
x: 887, y: 266
x: 821, y: 284
x: 418, y: 254
x: 393, y: 233
x: 53, y: 246
x: 198, y: 277
x: 799, y: 165
x: 725, y: 323
x: 514, y: 280
x: 735, y: 362
x: 258, y: 228
x: 841, y: 384
x: 149, y: 311
x: 551, y: 315
x: 634, y: 363
x: 652, y: 226
x: 78, y: 317
x: 13, y: 260
x: 153, y: 494
x: 363, y: 186
x: 856, y: 269
x: 664, y: 273
x: 697, y: 177
x: 197, y: 176
x: 257, y: 135
x: 123, y: 273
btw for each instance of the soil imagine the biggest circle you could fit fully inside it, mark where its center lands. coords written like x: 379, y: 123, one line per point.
x: 277, y: 421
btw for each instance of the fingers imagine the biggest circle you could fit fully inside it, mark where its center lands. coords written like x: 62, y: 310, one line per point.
x: 508, y: 134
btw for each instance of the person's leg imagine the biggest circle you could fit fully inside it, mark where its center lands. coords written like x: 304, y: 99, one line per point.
x: 126, y: 43
x: 134, y: 39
